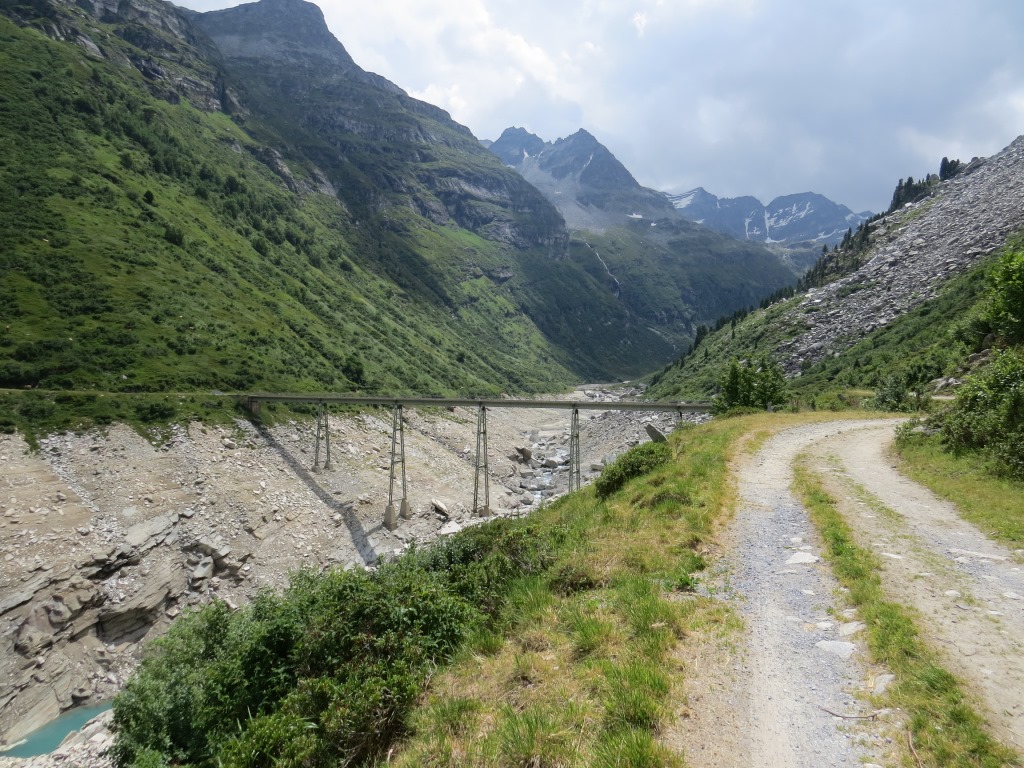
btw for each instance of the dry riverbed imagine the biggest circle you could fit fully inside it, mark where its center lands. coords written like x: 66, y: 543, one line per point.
x: 106, y: 538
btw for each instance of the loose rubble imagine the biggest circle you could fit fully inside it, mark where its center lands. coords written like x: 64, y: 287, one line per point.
x: 914, y: 252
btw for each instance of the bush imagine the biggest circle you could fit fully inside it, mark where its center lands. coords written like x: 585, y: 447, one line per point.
x: 1007, y: 307
x: 744, y: 386
x: 324, y: 674
x: 635, y: 462
x: 988, y: 414
x: 892, y: 394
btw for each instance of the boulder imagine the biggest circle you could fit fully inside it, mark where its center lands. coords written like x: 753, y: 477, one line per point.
x: 148, y: 534
x: 204, y: 570
x: 655, y: 434
x: 212, y: 547
x: 132, y: 618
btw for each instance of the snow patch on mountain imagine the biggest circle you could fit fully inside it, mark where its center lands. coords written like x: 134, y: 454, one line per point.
x: 800, y: 218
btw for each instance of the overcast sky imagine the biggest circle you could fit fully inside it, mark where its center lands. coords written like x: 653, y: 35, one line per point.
x: 761, y: 97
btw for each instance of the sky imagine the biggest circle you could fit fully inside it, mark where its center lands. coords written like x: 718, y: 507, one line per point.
x: 741, y: 97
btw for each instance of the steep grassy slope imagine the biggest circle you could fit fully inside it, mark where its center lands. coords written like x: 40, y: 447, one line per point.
x: 676, y: 275
x: 264, y: 214
x: 143, y: 245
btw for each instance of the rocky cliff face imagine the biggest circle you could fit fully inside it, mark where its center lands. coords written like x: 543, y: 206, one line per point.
x: 176, y: 58
x: 914, y: 251
x: 380, y: 148
x: 591, y: 188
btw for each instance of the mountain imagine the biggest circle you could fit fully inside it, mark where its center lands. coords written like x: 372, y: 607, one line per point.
x: 383, y: 148
x: 227, y: 201
x: 789, y: 219
x: 590, y: 187
x: 902, y: 304
x: 673, y: 274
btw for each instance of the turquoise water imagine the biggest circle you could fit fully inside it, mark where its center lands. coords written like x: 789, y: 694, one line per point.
x: 49, y: 737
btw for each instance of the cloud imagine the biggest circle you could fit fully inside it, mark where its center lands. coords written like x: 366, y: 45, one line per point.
x: 640, y: 23
x: 738, y: 96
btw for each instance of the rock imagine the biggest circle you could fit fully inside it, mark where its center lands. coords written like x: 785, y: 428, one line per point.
x: 449, y: 528
x: 212, y: 547
x: 130, y: 619
x: 841, y: 649
x: 148, y: 534
x: 655, y: 434
x: 882, y: 683
x: 850, y: 628
x: 204, y: 570
x: 802, y: 558
x: 30, y: 641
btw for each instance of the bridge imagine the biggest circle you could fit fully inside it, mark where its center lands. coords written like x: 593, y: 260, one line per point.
x: 398, y: 506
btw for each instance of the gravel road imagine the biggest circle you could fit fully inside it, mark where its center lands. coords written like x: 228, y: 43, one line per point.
x: 765, y: 703
x: 769, y: 699
x: 968, y: 589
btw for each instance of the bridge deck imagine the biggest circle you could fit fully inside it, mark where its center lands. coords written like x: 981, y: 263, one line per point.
x: 418, y: 402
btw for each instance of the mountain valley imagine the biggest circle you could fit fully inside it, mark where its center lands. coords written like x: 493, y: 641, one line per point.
x: 197, y: 205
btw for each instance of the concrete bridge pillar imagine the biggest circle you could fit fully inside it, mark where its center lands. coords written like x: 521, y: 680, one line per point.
x: 323, y: 434
x: 481, y: 467
x: 397, y: 460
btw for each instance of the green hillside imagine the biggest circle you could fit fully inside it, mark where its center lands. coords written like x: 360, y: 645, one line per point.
x: 144, y: 246
x: 930, y: 341
x: 147, y: 245
x: 676, y: 275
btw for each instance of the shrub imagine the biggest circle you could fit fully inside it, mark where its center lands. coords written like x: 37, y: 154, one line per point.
x: 324, y: 674
x: 745, y: 386
x: 892, y: 394
x: 635, y: 462
x: 988, y: 413
x: 1007, y: 307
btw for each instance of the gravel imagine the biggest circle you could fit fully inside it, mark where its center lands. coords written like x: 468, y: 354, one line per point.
x: 795, y: 661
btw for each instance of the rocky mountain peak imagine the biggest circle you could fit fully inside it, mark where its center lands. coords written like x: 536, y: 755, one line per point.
x: 516, y: 144
x: 289, y: 31
x: 800, y: 217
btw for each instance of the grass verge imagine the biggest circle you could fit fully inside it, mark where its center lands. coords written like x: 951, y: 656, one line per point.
x: 578, y: 670
x: 944, y: 729
x: 582, y: 672
x: 994, y: 504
